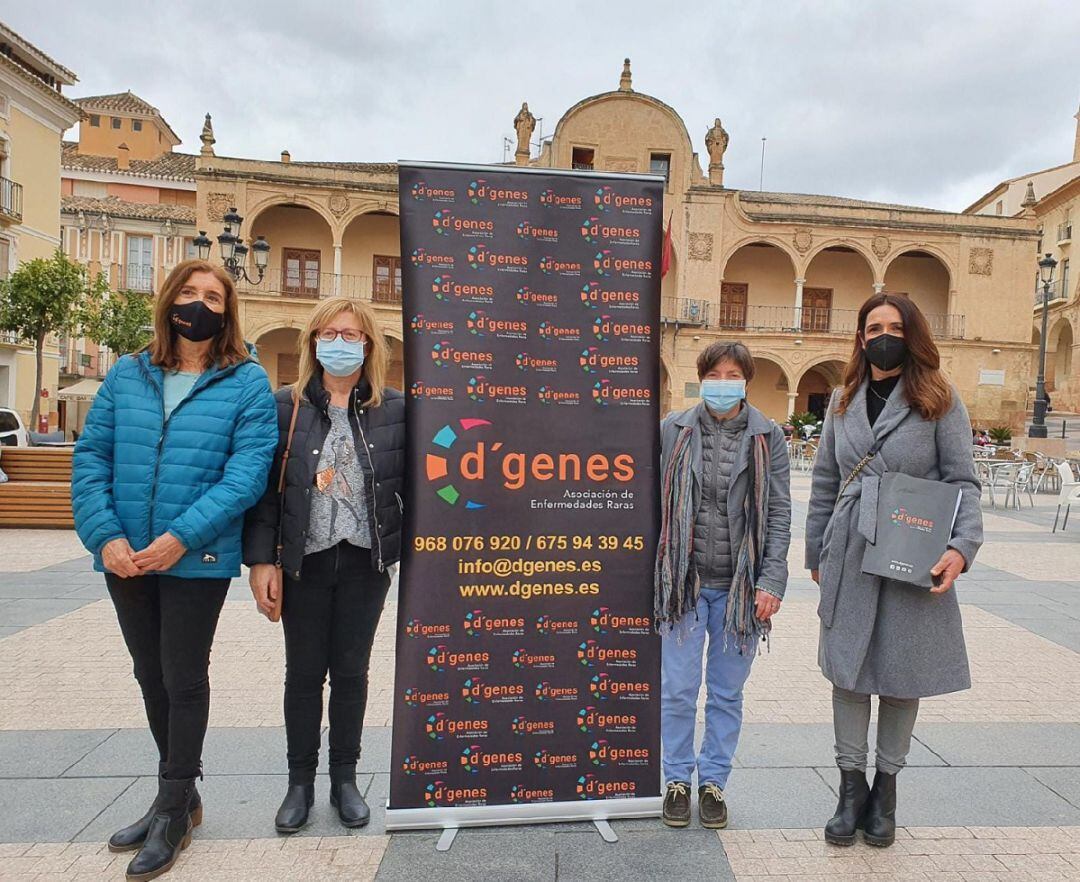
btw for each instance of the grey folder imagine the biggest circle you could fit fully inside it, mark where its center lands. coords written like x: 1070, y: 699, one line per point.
x: 915, y: 519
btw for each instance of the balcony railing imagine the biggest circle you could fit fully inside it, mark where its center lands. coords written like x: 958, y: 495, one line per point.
x: 811, y: 320
x: 10, y: 338
x: 10, y: 199
x: 315, y: 285
x: 1057, y: 292
x: 686, y: 311
x: 137, y: 277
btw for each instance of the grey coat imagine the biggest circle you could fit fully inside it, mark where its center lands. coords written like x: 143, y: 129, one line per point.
x: 880, y: 636
x: 774, y: 568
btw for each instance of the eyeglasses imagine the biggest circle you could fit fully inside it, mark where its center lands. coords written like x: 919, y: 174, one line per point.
x: 329, y: 335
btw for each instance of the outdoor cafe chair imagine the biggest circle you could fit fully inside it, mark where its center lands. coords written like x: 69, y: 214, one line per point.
x: 1070, y: 493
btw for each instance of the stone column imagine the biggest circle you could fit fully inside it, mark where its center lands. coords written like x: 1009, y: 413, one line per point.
x: 879, y: 287
x: 791, y: 399
x: 798, y: 304
x: 337, y: 269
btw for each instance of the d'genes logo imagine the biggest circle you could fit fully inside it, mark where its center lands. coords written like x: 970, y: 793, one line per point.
x: 437, y: 465
x: 446, y: 289
x: 419, y: 698
x: 474, y: 758
x: 431, y: 392
x: 549, y: 759
x: 445, y: 223
x: 423, y: 257
x: 589, y: 786
x: 522, y: 725
x: 439, y: 725
x: 606, y: 198
x: 530, y: 231
x: 603, y: 392
x: 413, y: 765
x: 527, y: 297
x: 606, y: 328
x: 546, y: 692
x: 594, y: 295
x: 592, y: 360
x: 418, y: 324
x: 596, y: 231
x: 525, y: 362
x: 423, y: 192
x: 546, y: 624
x: 602, y: 619
x: 524, y: 658
x: 479, y: 190
x: 524, y: 793
x: 417, y: 628
x: 550, y: 199
x: 439, y: 793
x: 476, y: 691
x: 590, y: 720
x: 445, y: 353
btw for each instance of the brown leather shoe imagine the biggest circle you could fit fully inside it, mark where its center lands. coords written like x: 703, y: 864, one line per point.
x: 677, y: 804
x: 712, y: 809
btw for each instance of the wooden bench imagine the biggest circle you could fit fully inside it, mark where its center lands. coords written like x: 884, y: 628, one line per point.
x: 38, y: 490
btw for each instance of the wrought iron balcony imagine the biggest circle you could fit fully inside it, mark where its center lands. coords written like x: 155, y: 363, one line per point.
x: 312, y: 285
x: 11, y: 200
x: 810, y: 320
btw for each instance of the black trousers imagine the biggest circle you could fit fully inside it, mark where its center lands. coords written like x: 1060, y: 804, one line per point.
x: 330, y: 615
x: 168, y: 625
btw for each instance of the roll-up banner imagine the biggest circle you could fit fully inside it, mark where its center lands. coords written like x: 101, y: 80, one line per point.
x: 528, y: 674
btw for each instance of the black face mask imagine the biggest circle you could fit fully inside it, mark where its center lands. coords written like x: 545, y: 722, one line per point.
x: 886, y: 352
x: 196, y: 321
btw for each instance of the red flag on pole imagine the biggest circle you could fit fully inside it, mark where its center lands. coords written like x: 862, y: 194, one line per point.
x: 665, y: 258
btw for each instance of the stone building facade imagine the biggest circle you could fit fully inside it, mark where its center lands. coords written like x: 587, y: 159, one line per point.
x: 786, y: 273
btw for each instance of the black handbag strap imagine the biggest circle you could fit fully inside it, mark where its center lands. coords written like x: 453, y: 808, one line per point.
x: 862, y: 464
x: 281, y: 477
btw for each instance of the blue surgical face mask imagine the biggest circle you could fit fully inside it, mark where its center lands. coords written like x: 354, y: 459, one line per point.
x: 723, y: 395
x: 340, y: 357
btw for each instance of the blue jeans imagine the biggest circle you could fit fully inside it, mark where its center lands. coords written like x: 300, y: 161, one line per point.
x: 725, y: 674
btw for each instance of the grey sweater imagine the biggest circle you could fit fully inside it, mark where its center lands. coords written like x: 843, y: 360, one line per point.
x: 713, y: 553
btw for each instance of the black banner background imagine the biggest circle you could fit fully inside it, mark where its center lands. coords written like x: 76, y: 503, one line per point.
x: 531, y: 313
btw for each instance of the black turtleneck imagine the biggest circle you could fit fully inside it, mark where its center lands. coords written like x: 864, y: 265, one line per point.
x: 877, y: 393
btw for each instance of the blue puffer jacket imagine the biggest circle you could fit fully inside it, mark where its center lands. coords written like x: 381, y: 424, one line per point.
x: 137, y: 476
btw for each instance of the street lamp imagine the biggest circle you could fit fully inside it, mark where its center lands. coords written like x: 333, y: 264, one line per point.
x: 233, y: 250
x: 1038, y: 421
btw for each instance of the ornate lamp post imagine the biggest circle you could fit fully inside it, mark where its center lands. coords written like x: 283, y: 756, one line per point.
x: 1038, y: 421
x: 233, y: 250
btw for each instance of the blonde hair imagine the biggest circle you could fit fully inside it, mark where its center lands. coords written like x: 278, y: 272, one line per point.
x: 228, y: 347
x: 376, y: 352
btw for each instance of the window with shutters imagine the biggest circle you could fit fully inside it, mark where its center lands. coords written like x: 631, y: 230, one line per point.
x: 300, y: 272
x: 816, y: 309
x: 733, y: 299
x: 387, y: 279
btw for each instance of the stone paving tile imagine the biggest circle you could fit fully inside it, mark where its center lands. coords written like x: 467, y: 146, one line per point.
x: 73, y: 672
x: 26, y: 550
x: 237, y: 860
x: 938, y: 853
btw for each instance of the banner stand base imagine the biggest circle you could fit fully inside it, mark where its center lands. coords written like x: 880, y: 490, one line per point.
x: 451, y: 818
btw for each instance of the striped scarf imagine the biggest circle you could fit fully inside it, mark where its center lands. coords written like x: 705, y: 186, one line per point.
x: 677, y: 586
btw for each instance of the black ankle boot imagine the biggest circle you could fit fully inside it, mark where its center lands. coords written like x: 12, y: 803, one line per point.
x: 132, y: 836
x: 348, y: 801
x: 169, y: 833
x: 879, y: 822
x: 854, y: 793
x: 293, y: 814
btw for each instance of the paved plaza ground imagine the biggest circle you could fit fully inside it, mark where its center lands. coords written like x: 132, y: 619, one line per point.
x: 992, y: 790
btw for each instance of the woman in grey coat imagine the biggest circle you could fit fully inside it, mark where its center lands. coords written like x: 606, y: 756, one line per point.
x: 879, y: 636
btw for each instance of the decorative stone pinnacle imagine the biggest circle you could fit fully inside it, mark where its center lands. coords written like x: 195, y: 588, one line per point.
x: 624, y: 80
x: 207, y: 137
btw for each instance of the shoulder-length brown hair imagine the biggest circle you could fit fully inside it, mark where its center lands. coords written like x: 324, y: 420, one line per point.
x: 925, y: 386
x: 227, y: 348
x: 376, y: 352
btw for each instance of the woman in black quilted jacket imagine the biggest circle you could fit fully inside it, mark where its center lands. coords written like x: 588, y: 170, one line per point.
x: 325, y: 540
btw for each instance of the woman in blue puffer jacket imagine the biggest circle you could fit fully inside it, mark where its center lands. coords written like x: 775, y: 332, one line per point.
x: 175, y: 449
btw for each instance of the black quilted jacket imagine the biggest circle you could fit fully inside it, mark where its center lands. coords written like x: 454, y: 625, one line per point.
x: 378, y: 430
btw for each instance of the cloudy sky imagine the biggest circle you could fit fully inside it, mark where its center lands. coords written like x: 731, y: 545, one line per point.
x: 926, y: 103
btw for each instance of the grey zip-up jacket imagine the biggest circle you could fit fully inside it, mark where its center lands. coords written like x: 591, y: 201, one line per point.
x: 774, y: 566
